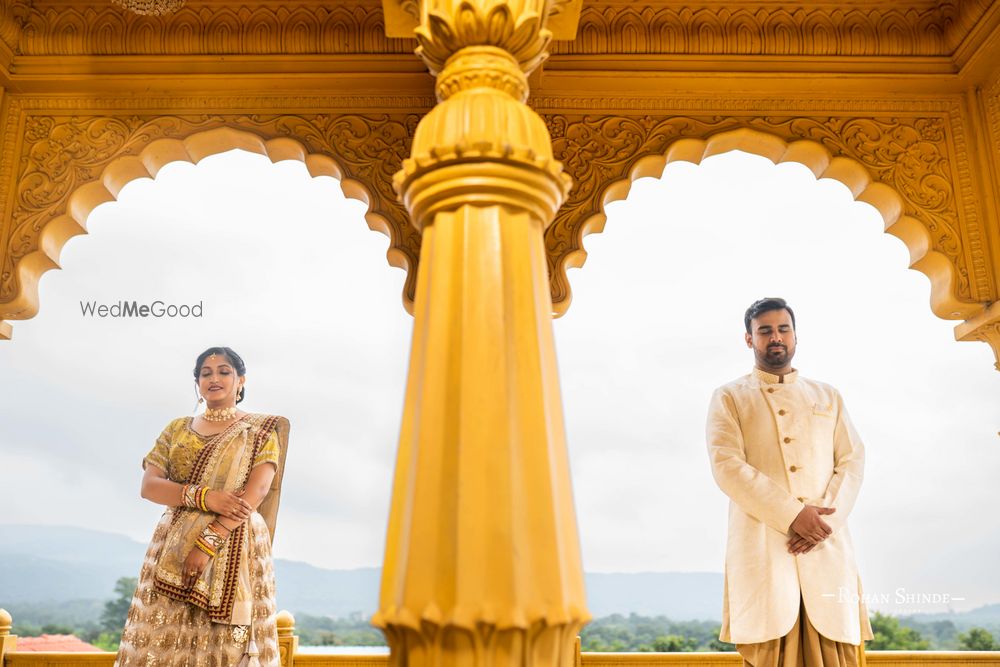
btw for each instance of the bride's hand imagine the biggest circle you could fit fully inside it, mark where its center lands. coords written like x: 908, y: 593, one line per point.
x: 194, y: 565
x: 228, y: 505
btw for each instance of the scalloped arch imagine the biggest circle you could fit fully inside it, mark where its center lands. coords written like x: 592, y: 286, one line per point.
x: 146, y: 164
x: 814, y: 156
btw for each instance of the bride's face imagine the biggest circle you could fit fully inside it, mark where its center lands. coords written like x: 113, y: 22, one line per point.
x: 218, y: 381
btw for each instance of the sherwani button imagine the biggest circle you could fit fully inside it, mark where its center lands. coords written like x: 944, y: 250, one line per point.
x: 801, y: 499
x: 781, y: 412
x: 770, y: 390
x: 793, y: 468
x: 788, y: 440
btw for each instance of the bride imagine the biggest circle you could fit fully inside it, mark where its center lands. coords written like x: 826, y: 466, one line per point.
x: 206, y: 588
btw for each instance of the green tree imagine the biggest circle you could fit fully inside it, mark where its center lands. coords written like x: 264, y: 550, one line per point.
x: 674, y: 644
x: 116, y: 609
x: 716, y: 644
x: 978, y: 639
x: 56, y: 629
x: 891, y: 636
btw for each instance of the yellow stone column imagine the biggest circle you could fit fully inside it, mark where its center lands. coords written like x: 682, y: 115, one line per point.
x: 482, y: 562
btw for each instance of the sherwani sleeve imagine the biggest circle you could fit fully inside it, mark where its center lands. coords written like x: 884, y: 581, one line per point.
x: 754, y: 492
x: 848, y: 468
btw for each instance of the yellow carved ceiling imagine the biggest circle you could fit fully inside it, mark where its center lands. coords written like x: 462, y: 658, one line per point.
x: 899, y: 100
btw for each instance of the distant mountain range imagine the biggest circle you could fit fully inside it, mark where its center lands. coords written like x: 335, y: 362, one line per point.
x: 53, y: 564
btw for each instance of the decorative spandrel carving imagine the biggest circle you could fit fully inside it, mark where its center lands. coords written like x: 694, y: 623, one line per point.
x: 908, y: 154
x: 60, y: 154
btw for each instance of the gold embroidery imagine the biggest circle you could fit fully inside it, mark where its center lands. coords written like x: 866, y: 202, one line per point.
x: 240, y: 633
x: 163, y: 632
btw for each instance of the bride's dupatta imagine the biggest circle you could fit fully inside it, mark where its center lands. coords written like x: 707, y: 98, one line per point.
x: 224, y: 589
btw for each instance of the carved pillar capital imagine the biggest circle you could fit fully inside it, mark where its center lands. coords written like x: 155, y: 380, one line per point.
x: 524, y: 28
x: 481, y: 52
x: 482, y: 129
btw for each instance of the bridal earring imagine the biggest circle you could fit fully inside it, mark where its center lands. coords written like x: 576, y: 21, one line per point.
x: 201, y: 399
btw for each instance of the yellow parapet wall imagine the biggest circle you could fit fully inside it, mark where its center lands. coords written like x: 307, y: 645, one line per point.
x: 880, y: 658
x: 289, y: 643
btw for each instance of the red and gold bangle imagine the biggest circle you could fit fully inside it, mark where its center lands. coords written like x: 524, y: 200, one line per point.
x: 189, y: 495
x: 212, y: 539
x: 204, y: 547
x: 217, y: 529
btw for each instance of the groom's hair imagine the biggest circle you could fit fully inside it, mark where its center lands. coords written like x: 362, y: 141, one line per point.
x: 761, y: 306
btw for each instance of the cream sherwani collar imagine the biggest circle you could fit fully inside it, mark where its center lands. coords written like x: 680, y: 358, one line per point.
x: 770, y: 378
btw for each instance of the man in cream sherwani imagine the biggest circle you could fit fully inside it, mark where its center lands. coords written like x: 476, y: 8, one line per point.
x: 783, y: 449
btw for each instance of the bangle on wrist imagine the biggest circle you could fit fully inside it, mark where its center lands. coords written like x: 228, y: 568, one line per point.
x: 189, y: 496
x: 202, y: 496
x: 219, y: 529
x: 211, y: 539
x: 205, y: 547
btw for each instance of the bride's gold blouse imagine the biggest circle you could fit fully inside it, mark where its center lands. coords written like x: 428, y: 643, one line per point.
x: 178, y: 446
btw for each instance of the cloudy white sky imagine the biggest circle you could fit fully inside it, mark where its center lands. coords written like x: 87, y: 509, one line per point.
x: 290, y: 276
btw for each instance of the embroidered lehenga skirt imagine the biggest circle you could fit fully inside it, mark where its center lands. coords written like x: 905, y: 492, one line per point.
x: 161, y: 632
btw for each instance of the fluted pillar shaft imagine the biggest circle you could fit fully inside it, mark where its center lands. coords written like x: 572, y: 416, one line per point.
x: 482, y: 563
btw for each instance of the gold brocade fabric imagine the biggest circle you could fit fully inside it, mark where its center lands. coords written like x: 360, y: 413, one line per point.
x: 222, y: 589
x: 803, y: 646
x: 160, y: 632
x: 178, y: 446
x: 164, y: 632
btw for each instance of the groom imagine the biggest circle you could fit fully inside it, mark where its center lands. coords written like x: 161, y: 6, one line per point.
x: 783, y: 449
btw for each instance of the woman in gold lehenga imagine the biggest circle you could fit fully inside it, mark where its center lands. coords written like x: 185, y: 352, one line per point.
x: 206, y: 589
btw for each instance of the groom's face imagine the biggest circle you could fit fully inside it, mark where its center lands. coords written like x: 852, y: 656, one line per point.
x: 772, y: 338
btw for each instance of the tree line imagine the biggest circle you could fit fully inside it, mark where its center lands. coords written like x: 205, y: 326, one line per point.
x: 615, y: 633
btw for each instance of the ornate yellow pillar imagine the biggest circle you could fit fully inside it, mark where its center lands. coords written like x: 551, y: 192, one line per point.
x: 482, y: 562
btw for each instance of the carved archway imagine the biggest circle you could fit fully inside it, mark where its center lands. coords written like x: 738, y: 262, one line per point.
x: 912, y: 168
x: 911, y: 187
x: 69, y: 165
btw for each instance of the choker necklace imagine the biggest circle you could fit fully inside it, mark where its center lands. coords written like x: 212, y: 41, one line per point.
x: 220, y: 414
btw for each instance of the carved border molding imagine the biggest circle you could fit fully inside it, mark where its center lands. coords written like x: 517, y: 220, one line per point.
x: 913, y: 168
x: 910, y: 28
x: 98, y: 28
x: 743, y: 29
x: 11, y: 15
x: 992, y: 97
x: 66, y: 164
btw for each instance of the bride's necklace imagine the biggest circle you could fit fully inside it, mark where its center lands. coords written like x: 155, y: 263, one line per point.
x: 219, y: 414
